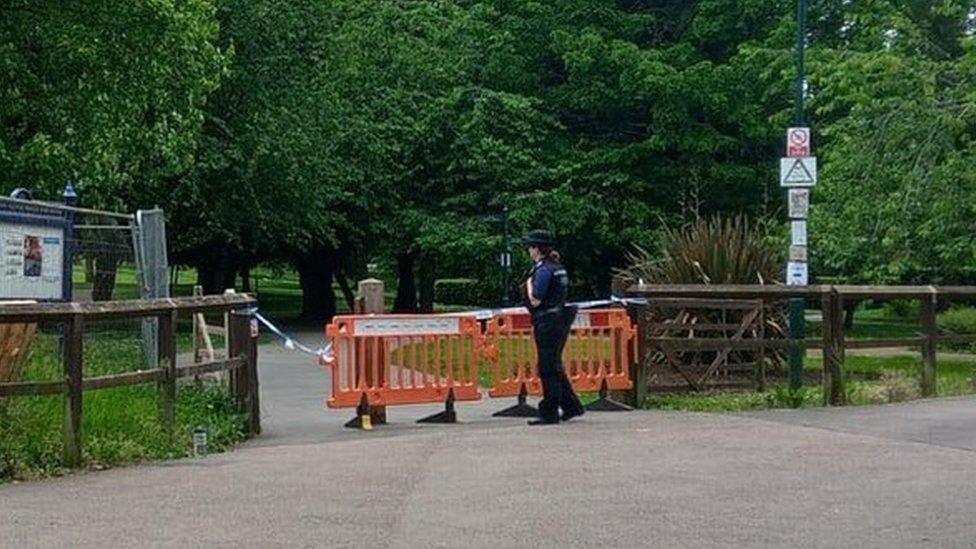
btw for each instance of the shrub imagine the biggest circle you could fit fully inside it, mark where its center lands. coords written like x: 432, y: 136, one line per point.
x: 715, y: 251
x: 463, y: 291
x: 902, y: 308
x: 959, y: 320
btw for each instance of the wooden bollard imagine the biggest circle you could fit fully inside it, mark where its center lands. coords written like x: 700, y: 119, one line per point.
x: 371, y: 299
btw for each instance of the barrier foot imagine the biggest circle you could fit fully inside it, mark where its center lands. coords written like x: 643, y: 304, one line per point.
x: 447, y: 416
x: 363, y: 420
x: 521, y: 409
x: 605, y: 403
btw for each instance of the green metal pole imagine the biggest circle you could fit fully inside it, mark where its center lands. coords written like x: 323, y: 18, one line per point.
x: 506, y: 259
x: 796, y: 306
x: 801, y: 42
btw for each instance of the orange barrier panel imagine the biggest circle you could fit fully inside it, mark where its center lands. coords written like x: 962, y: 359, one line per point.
x: 382, y: 360
x: 598, y: 353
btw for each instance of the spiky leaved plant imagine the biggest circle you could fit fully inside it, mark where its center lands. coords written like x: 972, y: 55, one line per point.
x: 708, y: 251
x: 720, y: 250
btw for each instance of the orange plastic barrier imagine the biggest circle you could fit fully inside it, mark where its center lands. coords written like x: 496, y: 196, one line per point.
x: 601, y: 346
x: 404, y: 359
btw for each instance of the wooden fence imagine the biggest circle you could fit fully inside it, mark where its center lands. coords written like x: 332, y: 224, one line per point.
x: 241, y: 359
x: 832, y: 341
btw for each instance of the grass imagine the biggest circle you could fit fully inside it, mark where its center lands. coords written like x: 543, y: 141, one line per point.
x: 778, y: 396
x: 870, y: 380
x: 874, y: 323
x: 119, y: 425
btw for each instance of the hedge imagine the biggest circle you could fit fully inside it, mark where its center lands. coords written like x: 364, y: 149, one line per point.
x: 464, y: 291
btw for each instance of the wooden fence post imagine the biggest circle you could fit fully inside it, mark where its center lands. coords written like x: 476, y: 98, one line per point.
x: 832, y: 310
x: 930, y: 329
x: 197, y: 340
x: 167, y: 363
x: 201, y: 336
x: 635, y: 360
x: 242, y: 337
x: 372, y: 296
x: 840, y: 354
x: 638, y: 368
x: 73, y: 352
x: 760, y: 353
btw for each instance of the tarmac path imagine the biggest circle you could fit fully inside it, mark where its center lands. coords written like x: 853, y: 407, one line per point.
x: 888, y: 476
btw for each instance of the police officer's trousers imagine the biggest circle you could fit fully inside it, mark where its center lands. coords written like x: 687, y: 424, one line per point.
x: 551, y: 331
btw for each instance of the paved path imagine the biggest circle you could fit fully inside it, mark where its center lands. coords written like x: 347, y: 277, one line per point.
x: 892, y: 476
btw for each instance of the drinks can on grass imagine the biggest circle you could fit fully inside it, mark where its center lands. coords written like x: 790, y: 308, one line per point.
x: 199, y: 441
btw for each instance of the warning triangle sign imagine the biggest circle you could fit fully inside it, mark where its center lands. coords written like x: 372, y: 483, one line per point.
x: 798, y: 172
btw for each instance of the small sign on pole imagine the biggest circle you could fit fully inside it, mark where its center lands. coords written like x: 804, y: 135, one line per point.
x: 799, y: 203
x: 797, y: 273
x: 798, y: 230
x: 797, y: 142
x: 798, y: 172
x: 798, y: 253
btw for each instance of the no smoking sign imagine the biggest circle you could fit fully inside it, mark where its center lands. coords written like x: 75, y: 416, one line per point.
x: 798, y: 142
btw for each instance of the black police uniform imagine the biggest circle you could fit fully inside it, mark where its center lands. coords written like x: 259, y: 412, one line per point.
x: 551, y: 322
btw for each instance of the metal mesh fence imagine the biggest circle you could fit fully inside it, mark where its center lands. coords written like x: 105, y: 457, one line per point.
x: 105, y: 263
x: 152, y: 272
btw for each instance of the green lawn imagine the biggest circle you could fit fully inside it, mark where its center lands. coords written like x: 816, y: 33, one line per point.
x: 120, y: 425
x: 870, y: 380
x: 874, y: 323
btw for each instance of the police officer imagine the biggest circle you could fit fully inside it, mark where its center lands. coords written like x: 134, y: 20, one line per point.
x: 546, y: 290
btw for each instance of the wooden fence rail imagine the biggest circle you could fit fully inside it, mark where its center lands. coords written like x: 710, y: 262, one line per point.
x: 241, y: 359
x: 832, y: 341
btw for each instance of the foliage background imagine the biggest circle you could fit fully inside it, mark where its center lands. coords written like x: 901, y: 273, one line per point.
x: 325, y: 135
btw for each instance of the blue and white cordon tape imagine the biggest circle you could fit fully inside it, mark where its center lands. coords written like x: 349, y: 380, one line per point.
x: 325, y: 355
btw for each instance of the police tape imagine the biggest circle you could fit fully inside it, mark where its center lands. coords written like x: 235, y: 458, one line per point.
x: 326, y: 356
x: 324, y: 353
x: 487, y: 314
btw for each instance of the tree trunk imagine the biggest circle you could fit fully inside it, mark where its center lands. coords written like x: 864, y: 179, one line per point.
x: 205, y: 274
x: 426, y: 276
x: 315, y: 272
x: 216, y: 274
x: 406, y: 296
x: 246, y: 279
x: 347, y: 292
x: 103, y: 283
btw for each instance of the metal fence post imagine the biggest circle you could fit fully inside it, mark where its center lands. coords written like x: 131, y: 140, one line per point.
x: 152, y: 271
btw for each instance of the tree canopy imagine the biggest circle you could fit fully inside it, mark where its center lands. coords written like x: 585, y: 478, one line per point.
x: 326, y: 134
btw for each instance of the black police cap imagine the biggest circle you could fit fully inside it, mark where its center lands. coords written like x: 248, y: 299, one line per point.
x: 539, y: 237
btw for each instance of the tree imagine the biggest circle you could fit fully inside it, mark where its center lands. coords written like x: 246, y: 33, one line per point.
x: 895, y: 200
x: 109, y: 95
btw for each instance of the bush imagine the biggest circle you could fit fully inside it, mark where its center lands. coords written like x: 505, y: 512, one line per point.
x: 463, y: 291
x: 716, y: 251
x: 959, y: 320
x: 902, y: 308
